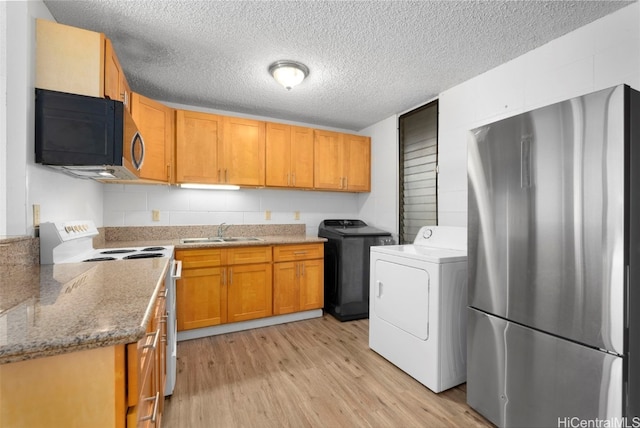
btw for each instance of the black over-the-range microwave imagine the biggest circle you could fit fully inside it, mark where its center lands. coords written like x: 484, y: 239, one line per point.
x: 87, y: 137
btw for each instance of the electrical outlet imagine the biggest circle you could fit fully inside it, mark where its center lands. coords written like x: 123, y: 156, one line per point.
x: 155, y: 215
x: 267, y: 215
x: 296, y: 215
x: 36, y: 215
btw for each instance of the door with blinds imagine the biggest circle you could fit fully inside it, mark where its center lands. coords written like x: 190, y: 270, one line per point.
x: 418, y: 170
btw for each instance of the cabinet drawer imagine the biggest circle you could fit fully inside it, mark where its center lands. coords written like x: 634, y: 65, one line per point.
x: 285, y: 253
x: 247, y: 255
x: 200, y: 258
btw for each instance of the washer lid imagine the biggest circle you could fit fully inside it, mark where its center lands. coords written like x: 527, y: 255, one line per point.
x: 349, y: 228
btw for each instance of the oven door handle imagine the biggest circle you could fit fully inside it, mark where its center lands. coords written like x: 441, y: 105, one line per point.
x: 177, y: 269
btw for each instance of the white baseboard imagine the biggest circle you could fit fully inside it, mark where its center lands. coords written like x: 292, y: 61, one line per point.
x: 247, y: 325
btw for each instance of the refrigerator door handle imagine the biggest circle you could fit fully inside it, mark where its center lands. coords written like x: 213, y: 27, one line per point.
x: 525, y: 162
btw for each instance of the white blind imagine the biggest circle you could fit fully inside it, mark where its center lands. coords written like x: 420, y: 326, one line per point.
x: 418, y: 173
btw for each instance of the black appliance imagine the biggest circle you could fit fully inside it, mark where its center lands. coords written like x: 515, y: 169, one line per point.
x: 346, y: 266
x: 87, y: 137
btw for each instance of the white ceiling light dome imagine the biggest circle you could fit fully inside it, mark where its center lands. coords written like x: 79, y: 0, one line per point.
x: 288, y: 73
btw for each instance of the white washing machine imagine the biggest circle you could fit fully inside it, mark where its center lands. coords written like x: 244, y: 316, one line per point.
x: 417, y: 306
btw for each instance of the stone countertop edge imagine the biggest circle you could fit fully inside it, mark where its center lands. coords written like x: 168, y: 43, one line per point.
x: 121, y: 308
x: 264, y: 240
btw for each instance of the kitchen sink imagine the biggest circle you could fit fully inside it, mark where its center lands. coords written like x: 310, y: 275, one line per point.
x: 240, y: 239
x: 219, y: 240
x: 200, y: 240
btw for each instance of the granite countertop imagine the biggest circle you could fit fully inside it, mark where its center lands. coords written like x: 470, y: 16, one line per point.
x: 53, y: 309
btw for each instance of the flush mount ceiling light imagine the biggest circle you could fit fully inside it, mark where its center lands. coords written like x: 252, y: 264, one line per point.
x: 288, y: 73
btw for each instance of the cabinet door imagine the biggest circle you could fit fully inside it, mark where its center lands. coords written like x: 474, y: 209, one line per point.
x: 198, y: 136
x: 358, y: 163
x: 311, y: 288
x: 155, y: 122
x: 285, y: 288
x: 328, y: 160
x: 302, y: 157
x: 249, y: 292
x: 201, y: 298
x: 115, y: 84
x: 278, y: 155
x: 243, y: 152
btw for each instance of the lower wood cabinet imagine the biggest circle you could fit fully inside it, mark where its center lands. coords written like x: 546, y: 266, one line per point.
x: 147, y: 372
x: 298, y: 278
x: 225, y: 285
x: 113, y: 386
x: 222, y: 285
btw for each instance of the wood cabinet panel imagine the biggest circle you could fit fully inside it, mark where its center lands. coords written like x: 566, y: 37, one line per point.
x: 243, y: 152
x: 298, y: 278
x: 249, y: 254
x: 250, y: 293
x: 83, y: 387
x: 285, y: 288
x: 198, y: 136
x: 283, y: 253
x: 116, y: 86
x: 328, y: 160
x: 302, y: 157
x: 278, y: 154
x: 289, y: 156
x: 156, y: 124
x: 312, y: 285
x: 342, y: 162
x: 209, y: 257
x: 201, y: 297
x: 358, y: 165
x: 69, y: 59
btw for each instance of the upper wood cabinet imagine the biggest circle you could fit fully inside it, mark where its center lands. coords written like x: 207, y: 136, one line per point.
x: 77, y: 61
x: 198, y: 152
x: 116, y: 86
x: 214, y: 149
x: 156, y: 124
x: 358, y: 163
x: 289, y: 156
x: 342, y: 161
x: 243, y: 151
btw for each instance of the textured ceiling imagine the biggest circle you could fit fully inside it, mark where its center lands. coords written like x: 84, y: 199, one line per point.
x: 368, y: 59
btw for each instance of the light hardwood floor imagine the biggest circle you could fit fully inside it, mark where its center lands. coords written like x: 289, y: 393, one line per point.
x: 314, y: 373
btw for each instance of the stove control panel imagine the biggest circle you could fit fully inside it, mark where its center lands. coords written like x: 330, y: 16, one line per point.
x: 68, y: 230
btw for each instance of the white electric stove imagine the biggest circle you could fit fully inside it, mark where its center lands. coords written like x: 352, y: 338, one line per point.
x: 72, y: 242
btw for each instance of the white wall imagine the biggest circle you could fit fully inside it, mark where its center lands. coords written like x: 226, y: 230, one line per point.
x: 3, y: 119
x: 131, y: 205
x: 380, y: 207
x: 599, y: 55
x: 60, y: 197
x: 602, y: 54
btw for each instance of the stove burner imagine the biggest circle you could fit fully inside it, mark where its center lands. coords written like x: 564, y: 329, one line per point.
x: 122, y: 251
x: 99, y: 259
x: 153, y: 249
x: 143, y: 256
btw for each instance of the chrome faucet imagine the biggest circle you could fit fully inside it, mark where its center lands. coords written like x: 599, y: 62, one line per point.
x: 222, y: 228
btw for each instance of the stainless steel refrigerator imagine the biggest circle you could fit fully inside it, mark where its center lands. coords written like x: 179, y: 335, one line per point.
x: 554, y: 264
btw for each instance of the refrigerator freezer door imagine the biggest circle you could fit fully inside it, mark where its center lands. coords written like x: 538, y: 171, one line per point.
x: 519, y: 377
x: 546, y: 219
